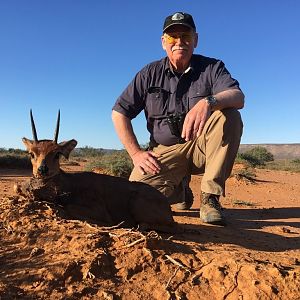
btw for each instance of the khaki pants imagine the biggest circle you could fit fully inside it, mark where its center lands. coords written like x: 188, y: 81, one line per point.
x: 211, y: 154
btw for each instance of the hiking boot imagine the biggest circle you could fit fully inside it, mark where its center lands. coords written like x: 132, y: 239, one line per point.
x: 211, y: 210
x: 185, y: 194
x: 188, y: 200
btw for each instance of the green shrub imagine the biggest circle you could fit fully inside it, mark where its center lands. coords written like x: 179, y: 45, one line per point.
x: 257, y: 156
x: 247, y: 159
x: 121, y: 168
x: 12, y: 151
x: 87, y: 152
x: 117, y: 163
x: 15, y: 161
x: 283, y: 165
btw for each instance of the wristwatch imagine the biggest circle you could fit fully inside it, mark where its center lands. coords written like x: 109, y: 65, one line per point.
x: 212, y: 101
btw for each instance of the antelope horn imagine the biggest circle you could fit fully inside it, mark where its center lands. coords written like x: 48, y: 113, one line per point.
x: 33, y: 127
x: 57, y: 128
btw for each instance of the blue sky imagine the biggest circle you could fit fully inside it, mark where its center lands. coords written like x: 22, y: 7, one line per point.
x: 78, y: 56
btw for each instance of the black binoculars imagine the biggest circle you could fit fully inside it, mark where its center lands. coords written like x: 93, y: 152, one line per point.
x: 175, y: 123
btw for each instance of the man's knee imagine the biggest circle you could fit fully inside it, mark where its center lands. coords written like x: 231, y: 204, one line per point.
x: 230, y: 120
x: 233, y: 121
x: 233, y: 116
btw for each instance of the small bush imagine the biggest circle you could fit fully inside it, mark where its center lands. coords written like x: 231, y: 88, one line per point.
x: 242, y: 203
x: 257, y: 156
x: 12, y: 151
x: 117, y: 163
x: 87, y: 152
x: 247, y: 160
x: 283, y: 165
x: 121, y: 168
x: 246, y: 175
x: 296, y: 161
x: 15, y: 161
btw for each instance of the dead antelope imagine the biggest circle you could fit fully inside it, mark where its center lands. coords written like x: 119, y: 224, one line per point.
x: 87, y: 195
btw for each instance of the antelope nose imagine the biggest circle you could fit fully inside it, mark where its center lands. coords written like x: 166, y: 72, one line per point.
x: 43, y: 169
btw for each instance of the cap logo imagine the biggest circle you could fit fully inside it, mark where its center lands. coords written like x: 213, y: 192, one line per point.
x: 177, y: 17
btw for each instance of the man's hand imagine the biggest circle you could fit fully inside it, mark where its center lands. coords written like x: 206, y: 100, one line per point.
x: 146, y: 162
x: 195, y: 120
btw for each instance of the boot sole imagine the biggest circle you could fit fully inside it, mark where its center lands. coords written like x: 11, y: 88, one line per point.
x: 216, y: 221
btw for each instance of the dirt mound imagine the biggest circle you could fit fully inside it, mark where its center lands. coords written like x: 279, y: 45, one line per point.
x: 45, y: 255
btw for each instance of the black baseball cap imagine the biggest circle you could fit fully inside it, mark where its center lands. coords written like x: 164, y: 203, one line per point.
x: 179, y: 18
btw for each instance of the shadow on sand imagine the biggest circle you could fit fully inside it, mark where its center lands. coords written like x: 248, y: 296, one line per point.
x: 245, y: 227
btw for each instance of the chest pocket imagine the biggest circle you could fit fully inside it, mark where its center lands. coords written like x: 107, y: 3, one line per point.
x: 157, y: 100
x: 196, y: 95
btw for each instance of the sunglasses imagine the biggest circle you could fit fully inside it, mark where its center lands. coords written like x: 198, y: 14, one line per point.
x: 172, y: 38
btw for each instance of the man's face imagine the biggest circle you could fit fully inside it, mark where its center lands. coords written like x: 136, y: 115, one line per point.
x: 179, y: 42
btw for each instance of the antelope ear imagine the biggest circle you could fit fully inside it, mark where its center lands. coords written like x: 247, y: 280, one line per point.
x: 28, y: 143
x: 67, y: 147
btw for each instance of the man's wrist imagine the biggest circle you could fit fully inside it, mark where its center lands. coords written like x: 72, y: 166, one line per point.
x: 211, y: 101
x: 134, y: 153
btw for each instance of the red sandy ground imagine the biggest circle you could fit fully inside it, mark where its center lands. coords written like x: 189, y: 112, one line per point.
x: 43, y: 255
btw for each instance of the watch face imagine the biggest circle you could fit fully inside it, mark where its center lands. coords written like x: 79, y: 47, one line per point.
x: 212, y: 100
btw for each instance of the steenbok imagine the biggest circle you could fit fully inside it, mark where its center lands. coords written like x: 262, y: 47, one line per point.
x: 90, y: 196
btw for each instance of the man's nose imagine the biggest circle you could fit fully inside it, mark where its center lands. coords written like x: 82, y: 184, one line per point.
x: 179, y: 41
x: 43, y: 169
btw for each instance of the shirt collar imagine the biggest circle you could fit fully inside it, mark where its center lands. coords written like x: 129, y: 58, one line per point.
x: 170, y: 72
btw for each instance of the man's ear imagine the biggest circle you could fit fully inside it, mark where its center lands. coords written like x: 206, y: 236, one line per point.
x: 28, y: 143
x: 163, y: 42
x: 196, y: 40
x: 67, y: 147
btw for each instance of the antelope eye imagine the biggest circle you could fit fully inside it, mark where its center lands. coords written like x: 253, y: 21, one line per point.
x: 57, y: 155
x: 32, y: 155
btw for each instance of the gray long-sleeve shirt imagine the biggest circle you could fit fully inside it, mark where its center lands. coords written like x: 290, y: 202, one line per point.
x: 160, y: 92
